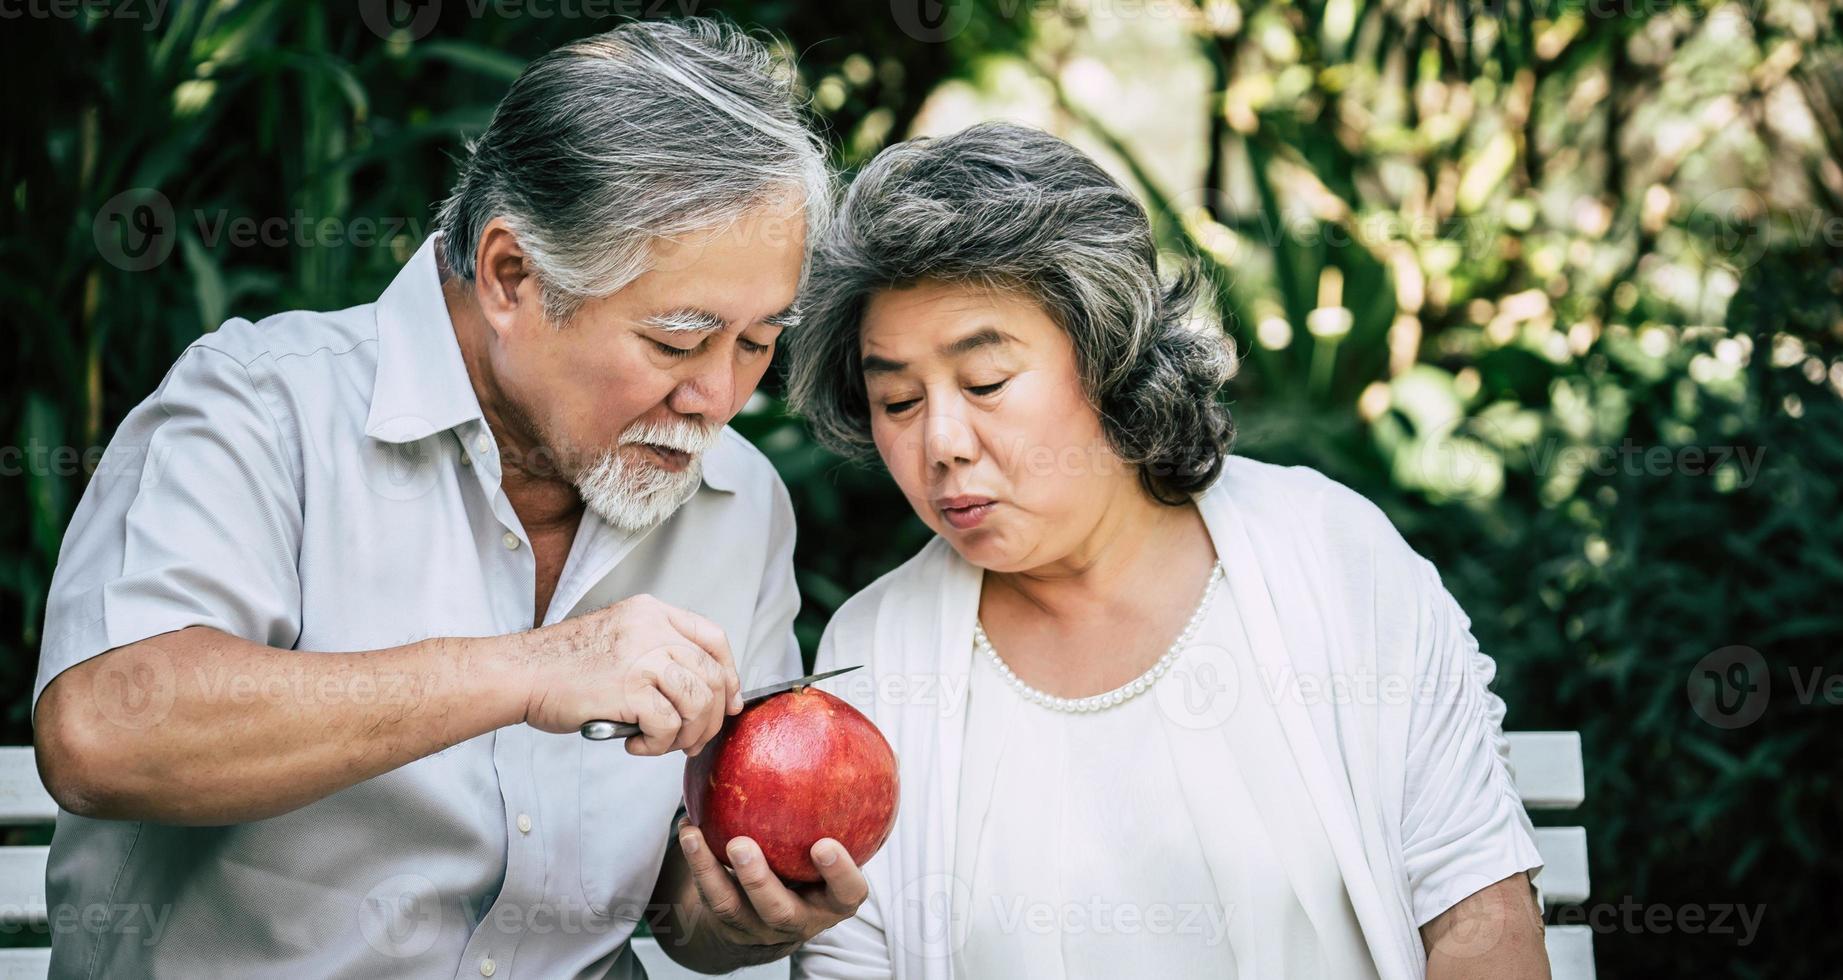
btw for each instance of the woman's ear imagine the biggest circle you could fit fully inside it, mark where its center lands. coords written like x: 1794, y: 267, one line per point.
x: 505, y: 284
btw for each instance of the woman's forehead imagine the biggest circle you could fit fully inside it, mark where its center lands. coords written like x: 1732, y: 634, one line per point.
x: 949, y: 320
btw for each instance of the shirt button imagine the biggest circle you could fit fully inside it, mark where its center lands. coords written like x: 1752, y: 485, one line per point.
x: 466, y: 460
x: 511, y: 541
x: 482, y: 443
x: 524, y: 823
x: 487, y: 967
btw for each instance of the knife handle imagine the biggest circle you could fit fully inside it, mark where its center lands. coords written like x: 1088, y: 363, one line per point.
x: 602, y: 730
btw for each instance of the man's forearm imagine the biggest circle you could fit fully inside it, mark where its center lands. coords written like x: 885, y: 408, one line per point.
x: 676, y: 918
x: 200, y: 727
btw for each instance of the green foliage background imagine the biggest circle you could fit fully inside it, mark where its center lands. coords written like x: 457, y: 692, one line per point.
x: 1481, y: 260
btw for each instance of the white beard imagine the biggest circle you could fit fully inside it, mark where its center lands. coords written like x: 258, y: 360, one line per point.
x: 635, y: 496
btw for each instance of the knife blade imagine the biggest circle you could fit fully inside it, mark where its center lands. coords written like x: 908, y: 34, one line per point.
x: 601, y: 730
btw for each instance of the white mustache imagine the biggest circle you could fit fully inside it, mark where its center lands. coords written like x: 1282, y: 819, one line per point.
x: 676, y: 434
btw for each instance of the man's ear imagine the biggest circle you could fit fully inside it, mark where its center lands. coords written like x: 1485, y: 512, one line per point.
x: 505, y: 285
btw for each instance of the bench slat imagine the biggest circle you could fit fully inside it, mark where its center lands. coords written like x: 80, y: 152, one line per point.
x: 1570, y: 952
x: 22, y: 885
x: 1564, y: 865
x: 1547, y: 767
x: 23, y: 799
x: 25, y: 964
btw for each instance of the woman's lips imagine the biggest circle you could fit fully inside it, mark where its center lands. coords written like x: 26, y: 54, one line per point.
x: 966, y: 512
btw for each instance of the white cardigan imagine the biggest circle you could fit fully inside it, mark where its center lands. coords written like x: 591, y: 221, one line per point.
x: 1370, y: 663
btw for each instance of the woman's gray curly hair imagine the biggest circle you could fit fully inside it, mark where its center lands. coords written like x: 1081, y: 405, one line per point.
x: 1015, y: 208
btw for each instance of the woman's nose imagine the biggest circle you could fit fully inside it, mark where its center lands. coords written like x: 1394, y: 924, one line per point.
x: 947, y: 439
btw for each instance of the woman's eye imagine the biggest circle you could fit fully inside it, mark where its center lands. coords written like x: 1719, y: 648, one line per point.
x: 670, y: 351
x: 897, y: 408
x: 990, y: 389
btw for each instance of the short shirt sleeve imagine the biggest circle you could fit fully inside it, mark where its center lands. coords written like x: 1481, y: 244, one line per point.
x: 1463, y: 824
x: 192, y: 518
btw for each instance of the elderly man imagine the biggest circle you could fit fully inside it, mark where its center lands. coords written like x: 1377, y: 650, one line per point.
x: 325, y: 627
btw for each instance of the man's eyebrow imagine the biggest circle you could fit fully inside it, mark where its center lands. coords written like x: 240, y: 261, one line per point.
x: 983, y: 337
x: 685, y: 320
x: 789, y: 317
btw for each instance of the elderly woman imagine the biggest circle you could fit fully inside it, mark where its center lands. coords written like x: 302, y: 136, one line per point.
x: 1159, y: 711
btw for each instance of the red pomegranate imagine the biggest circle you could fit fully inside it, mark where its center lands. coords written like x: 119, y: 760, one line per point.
x: 789, y: 770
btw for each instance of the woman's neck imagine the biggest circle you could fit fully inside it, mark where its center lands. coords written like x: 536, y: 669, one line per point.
x: 1137, y: 540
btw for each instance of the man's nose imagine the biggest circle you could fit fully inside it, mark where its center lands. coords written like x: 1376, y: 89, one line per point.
x: 709, y: 391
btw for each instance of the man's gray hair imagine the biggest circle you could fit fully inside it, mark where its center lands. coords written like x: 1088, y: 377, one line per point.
x: 652, y: 130
x: 1014, y: 208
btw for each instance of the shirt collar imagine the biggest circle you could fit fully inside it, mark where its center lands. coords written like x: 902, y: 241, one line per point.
x: 422, y: 386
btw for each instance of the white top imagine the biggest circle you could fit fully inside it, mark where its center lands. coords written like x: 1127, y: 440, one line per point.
x: 1083, y: 859
x: 1385, y: 716
x: 327, y: 482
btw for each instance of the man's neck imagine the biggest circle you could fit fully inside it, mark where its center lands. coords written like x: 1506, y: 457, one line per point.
x: 545, y: 501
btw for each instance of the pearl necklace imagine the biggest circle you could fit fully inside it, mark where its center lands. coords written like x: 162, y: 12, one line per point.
x: 1118, y: 695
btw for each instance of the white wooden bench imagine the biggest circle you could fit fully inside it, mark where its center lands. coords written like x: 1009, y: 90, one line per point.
x: 1547, y: 767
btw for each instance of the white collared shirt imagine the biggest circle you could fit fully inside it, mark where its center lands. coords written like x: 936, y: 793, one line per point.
x: 326, y: 482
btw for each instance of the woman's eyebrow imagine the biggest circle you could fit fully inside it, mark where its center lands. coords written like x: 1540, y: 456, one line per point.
x: 983, y: 337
